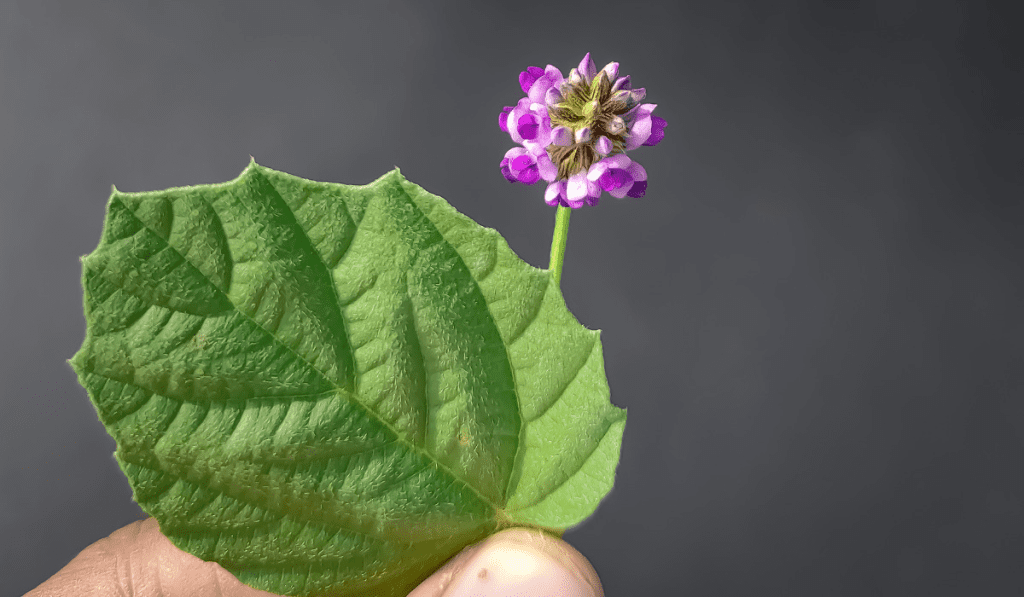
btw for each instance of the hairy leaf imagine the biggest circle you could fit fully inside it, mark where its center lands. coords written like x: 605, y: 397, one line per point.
x: 331, y: 389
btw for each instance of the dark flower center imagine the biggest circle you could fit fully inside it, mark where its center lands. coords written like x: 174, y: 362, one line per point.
x: 588, y: 105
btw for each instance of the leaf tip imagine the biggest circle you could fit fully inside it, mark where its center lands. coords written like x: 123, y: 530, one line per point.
x: 74, y: 361
x: 249, y: 169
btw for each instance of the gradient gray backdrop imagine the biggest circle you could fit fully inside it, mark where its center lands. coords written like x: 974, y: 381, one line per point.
x: 813, y: 317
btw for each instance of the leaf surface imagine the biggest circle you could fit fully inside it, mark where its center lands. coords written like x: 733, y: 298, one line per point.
x: 332, y: 389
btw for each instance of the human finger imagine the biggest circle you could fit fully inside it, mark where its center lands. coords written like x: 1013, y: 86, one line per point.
x: 516, y: 561
x: 141, y: 561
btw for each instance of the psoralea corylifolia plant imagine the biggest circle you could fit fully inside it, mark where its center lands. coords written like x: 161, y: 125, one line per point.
x: 332, y: 389
x: 574, y: 133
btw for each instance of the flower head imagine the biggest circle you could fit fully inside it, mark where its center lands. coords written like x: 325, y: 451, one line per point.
x: 574, y: 133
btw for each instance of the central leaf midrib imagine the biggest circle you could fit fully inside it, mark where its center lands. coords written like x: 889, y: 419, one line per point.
x: 351, y: 395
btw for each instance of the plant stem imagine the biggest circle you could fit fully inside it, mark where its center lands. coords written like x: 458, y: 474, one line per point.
x: 558, y: 241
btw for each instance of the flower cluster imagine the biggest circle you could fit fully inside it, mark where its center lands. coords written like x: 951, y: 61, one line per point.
x: 574, y: 133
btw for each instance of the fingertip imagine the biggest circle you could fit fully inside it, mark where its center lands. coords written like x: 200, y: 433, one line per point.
x: 523, y: 562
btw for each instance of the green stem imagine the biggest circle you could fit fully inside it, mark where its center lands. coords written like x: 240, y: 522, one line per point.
x: 558, y: 241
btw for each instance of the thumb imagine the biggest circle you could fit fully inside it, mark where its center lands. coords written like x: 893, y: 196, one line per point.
x: 516, y: 561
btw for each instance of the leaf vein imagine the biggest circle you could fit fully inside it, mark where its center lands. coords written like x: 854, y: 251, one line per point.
x: 531, y: 318
x: 547, y: 492
x: 558, y: 395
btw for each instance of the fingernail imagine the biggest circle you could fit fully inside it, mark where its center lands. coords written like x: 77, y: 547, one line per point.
x: 514, y: 566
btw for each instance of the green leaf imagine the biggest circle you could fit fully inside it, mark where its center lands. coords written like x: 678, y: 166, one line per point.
x: 332, y: 389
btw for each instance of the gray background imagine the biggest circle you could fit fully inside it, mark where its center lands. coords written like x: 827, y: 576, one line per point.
x: 813, y: 317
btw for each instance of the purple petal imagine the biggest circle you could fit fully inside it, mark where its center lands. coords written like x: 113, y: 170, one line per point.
x: 528, y: 126
x: 535, y: 148
x: 522, y: 166
x: 554, y: 76
x: 587, y: 69
x: 621, y: 83
x: 614, y: 178
x: 539, y: 90
x: 620, y: 192
x: 603, y: 146
x: 597, y: 169
x: 636, y: 111
x: 555, y: 192
x: 505, y: 171
x: 640, y: 127
x: 521, y: 108
x: 657, y: 131
x: 528, y: 76
x: 636, y: 171
x: 637, y: 95
x: 612, y: 70
x: 561, y: 136
x: 548, y: 169
x: 638, y: 190
x: 631, y: 169
x: 639, y: 132
x: 503, y: 118
x: 521, y: 163
x: 576, y: 189
x: 551, y: 79
x: 552, y: 96
x: 530, y: 175
x: 619, y: 160
x: 619, y: 96
x: 514, y: 153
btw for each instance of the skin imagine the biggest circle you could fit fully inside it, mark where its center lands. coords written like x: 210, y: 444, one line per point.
x: 139, y: 560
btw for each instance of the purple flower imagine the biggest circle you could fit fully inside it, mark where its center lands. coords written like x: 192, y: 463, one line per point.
x: 620, y: 176
x: 520, y: 165
x: 645, y: 128
x: 529, y: 122
x: 574, y: 133
x: 503, y: 118
x: 536, y: 83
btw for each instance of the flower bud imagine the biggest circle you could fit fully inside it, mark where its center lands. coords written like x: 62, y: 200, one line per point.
x: 561, y: 136
x: 552, y: 97
x: 621, y: 95
x: 616, y: 126
x: 586, y: 69
x: 603, y: 146
x: 621, y: 83
x: 583, y: 135
x: 612, y: 70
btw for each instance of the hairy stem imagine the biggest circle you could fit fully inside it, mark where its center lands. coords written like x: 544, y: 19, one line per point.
x: 558, y: 241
